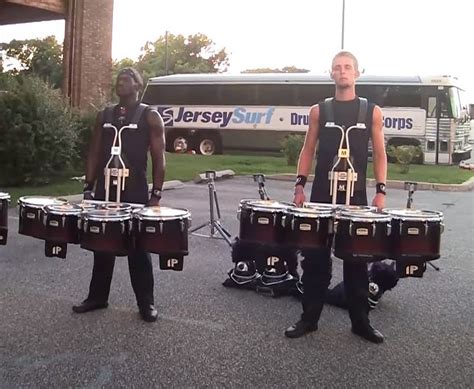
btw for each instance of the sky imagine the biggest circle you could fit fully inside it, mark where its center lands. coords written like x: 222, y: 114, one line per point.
x: 391, y: 37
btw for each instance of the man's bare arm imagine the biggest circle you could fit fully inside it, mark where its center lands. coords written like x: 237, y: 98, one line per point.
x: 378, y: 147
x: 306, y: 158
x: 157, y: 148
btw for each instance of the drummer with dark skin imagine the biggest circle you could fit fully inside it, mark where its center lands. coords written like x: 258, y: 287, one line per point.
x: 149, y: 136
x: 317, y: 266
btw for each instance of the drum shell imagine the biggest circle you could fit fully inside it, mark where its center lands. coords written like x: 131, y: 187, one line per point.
x: 62, y: 228
x: 161, y: 236
x: 307, y: 233
x: 424, y: 245
x: 264, y: 227
x: 3, y: 221
x: 109, y: 236
x: 31, y: 221
x: 369, y: 240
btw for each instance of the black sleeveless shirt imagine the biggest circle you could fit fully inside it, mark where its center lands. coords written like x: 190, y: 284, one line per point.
x: 345, y: 114
x: 135, y: 146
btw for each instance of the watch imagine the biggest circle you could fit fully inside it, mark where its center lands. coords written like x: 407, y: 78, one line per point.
x: 156, y: 193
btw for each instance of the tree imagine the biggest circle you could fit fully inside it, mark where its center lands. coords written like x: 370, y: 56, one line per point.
x: 286, y: 69
x: 41, y: 57
x: 173, y: 54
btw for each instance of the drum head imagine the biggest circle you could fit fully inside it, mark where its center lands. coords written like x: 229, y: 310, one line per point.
x: 414, y: 214
x: 355, y: 208
x: 63, y: 209
x: 267, y: 205
x: 363, y: 216
x: 161, y: 213
x: 118, y: 206
x: 105, y: 215
x: 40, y: 201
x: 4, y: 196
x: 311, y: 211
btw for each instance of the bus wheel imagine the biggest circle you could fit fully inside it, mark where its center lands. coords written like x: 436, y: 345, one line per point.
x: 179, y: 143
x: 209, y: 145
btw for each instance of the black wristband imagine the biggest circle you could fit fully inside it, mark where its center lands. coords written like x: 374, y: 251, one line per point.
x: 88, y: 187
x: 155, y: 192
x: 380, y: 188
x: 301, y: 180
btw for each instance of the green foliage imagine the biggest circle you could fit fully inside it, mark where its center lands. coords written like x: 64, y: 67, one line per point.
x: 404, y: 155
x: 192, y: 54
x: 38, y: 132
x: 291, y: 148
x: 286, y: 69
x: 41, y: 57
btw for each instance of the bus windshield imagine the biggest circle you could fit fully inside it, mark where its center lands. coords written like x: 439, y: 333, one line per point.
x: 456, y: 104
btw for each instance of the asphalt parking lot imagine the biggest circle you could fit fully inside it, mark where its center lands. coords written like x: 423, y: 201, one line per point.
x: 210, y: 336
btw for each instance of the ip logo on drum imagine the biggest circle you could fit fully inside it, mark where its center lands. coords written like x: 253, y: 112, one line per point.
x: 168, y: 262
x: 167, y: 114
x: 272, y: 261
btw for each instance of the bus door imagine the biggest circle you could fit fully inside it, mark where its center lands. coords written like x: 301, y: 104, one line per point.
x: 438, y: 128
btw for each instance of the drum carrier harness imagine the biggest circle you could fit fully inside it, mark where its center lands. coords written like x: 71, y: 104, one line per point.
x: 343, y: 170
x: 115, y: 171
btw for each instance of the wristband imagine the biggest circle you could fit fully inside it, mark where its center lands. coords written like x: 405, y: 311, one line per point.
x: 88, y: 187
x: 380, y: 188
x: 155, y: 192
x: 301, y: 180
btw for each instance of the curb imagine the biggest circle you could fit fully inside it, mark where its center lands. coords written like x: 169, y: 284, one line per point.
x: 220, y: 175
x: 395, y: 184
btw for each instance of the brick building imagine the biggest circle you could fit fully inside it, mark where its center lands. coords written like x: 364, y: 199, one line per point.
x: 87, y: 55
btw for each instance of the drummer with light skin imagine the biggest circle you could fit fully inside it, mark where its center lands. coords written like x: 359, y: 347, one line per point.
x: 318, y: 267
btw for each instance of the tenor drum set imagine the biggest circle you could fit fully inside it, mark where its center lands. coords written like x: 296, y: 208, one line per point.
x: 113, y: 228
x: 353, y: 233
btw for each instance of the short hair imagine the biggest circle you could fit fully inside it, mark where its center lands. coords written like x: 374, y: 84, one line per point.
x: 348, y: 54
x: 133, y: 73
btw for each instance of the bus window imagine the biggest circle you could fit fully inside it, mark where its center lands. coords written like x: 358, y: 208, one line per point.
x: 431, y: 107
x: 402, y: 96
x: 455, y: 101
x: 235, y: 94
x: 308, y: 95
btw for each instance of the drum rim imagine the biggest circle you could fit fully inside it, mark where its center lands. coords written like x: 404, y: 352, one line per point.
x: 379, y: 217
x: 5, y: 196
x: 21, y: 201
x: 77, y: 211
x: 111, y: 216
x: 137, y: 215
x: 429, y: 215
x: 298, y: 212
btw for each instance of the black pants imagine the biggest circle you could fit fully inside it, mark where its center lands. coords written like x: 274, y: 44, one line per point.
x: 141, y: 275
x: 317, y: 273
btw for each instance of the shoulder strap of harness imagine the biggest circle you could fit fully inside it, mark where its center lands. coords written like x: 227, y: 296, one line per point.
x: 108, y: 114
x: 328, y: 109
x: 363, y: 107
x: 138, y: 113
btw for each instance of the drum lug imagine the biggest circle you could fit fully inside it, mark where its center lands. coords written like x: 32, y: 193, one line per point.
x: 401, y: 228
x: 426, y: 228
x: 351, y: 228
x: 389, y: 228
x: 161, y: 226
x: 122, y: 224
x: 331, y: 226
x: 317, y: 225
x: 45, y: 216
x: 283, y: 221
x: 251, y: 217
x: 85, y: 225
x: 103, y: 227
x: 334, y: 226
x: 64, y: 220
x: 274, y: 219
x: 373, y: 230
x: 441, y: 227
x: 139, y: 226
x: 181, y: 223
x: 293, y: 224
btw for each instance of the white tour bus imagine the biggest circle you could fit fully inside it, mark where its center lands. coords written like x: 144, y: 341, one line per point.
x: 210, y: 113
